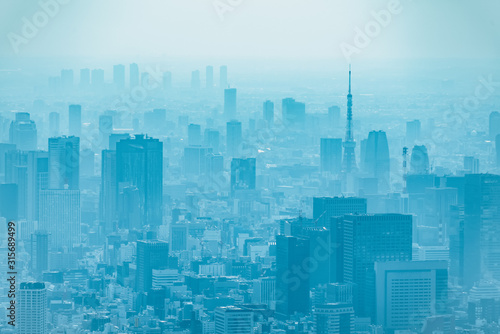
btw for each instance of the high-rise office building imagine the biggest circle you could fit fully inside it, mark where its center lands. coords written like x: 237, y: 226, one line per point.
x: 326, y: 207
x: 334, y: 116
x: 195, y: 80
x: 367, y: 239
x: 230, y: 104
x: 54, y: 126
x: 333, y: 318
x: 38, y: 179
x: 412, y: 131
x: 64, y: 163
x: 108, y: 193
x: 209, y: 77
x: 119, y: 76
x: 409, y: 292
x: 23, y: 133
x: 212, y: 139
x: 331, y: 155
x: 223, y: 77
x: 84, y: 78
x: 293, y: 113
x: 16, y: 172
x: 75, y: 120
x: 105, y: 129
x: 197, y: 160
x: 60, y: 216
x: 39, y: 252
x: 292, y: 279
x: 179, y: 236
x: 32, y: 308
x: 494, y: 124
x: 194, y: 134
x: 139, y: 163
x: 151, y: 254
x: 268, y: 113
x: 419, y: 163
x: 377, y: 161
x: 481, y: 228
x: 233, y: 138
x: 243, y: 174
x: 233, y: 320
x: 264, y: 291
x: 134, y: 75
x: 471, y: 165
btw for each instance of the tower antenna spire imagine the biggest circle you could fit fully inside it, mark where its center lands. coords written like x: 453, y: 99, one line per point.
x: 349, y: 78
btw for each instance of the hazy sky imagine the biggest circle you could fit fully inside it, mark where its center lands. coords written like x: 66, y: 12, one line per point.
x: 277, y: 29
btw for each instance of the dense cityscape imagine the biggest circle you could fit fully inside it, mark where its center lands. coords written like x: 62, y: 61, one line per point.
x: 197, y: 174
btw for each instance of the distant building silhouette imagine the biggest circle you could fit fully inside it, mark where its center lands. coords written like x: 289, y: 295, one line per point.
x: 64, y: 163
x: 419, y: 163
x: 230, y: 104
x: 331, y: 155
x: 23, y: 132
x: 268, y: 113
x: 233, y: 138
x: 75, y: 120
x: 494, y: 124
x: 413, y: 129
x: 377, y: 161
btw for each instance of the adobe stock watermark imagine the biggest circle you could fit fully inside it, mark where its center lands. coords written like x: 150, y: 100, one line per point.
x: 372, y: 29
x: 31, y: 26
x: 222, y: 7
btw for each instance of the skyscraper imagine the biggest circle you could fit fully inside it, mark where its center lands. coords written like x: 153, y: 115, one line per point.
x: 292, y: 279
x: 494, y: 124
x: 23, y: 133
x: 223, y: 77
x: 212, y: 139
x: 32, y: 309
x: 139, y: 163
x: 197, y: 160
x: 334, y: 116
x: 233, y: 320
x: 151, y: 254
x: 349, y: 161
x: 367, y: 239
x: 134, y: 75
x: 194, y: 134
x: 105, y: 129
x: 233, y: 138
x: 53, y: 124
x: 419, y: 163
x: 60, y: 216
x: 412, y: 131
x: 331, y: 155
x: 64, y: 163
x: 119, y: 76
x: 268, y: 113
x: 209, y: 77
x: 230, y: 103
x: 39, y: 252
x: 377, y: 162
x: 38, y: 179
x: 481, y: 228
x: 75, y: 120
x: 107, y: 195
x: 409, y: 292
x: 243, y: 174
x: 293, y: 113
